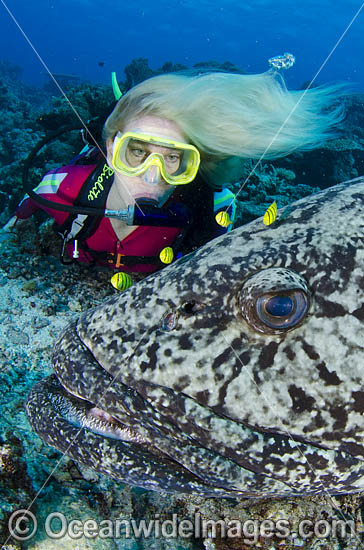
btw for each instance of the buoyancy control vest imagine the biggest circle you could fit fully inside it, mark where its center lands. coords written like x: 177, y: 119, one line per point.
x: 188, y: 216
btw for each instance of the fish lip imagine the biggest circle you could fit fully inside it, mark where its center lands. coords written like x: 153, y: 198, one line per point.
x: 85, y: 414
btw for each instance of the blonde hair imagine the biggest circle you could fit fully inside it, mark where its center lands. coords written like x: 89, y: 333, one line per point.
x: 229, y: 115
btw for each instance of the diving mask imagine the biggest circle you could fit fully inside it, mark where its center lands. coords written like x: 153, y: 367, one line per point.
x: 134, y: 153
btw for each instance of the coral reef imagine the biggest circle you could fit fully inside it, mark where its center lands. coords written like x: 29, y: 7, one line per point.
x: 139, y: 70
x: 261, y: 184
x: 63, y: 81
x: 15, y: 484
x: 29, y: 114
x: 214, y: 65
x: 246, y: 524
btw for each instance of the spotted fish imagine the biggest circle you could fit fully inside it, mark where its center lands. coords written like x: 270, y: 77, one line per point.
x: 238, y: 370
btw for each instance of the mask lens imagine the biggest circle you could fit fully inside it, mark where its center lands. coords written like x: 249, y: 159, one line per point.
x: 137, y: 152
x: 134, y: 153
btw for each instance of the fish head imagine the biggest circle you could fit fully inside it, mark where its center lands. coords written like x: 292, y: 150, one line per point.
x: 247, y: 353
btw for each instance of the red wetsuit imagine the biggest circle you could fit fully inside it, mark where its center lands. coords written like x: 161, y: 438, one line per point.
x: 102, y: 247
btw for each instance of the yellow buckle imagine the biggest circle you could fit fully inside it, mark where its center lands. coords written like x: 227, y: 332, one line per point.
x: 118, y: 258
x: 118, y: 262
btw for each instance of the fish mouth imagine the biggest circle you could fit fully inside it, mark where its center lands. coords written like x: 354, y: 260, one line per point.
x: 83, y: 414
x: 161, y: 457
x: 95, y: 439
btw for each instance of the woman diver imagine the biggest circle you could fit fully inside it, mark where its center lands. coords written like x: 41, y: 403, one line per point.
x: 173, y: 144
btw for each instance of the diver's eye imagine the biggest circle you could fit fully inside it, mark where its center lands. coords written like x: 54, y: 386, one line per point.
x: 172, y: 159
x: 274, y: 300
x: 282, y: 311
x: 138, y: 153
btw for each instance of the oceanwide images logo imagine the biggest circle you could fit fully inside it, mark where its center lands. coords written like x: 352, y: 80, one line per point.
x: 23, y: 525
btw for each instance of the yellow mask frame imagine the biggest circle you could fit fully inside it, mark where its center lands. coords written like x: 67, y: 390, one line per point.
x: 188, y: 165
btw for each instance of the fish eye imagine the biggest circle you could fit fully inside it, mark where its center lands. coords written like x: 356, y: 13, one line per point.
x: 282, y: 311
x: 274, y: 300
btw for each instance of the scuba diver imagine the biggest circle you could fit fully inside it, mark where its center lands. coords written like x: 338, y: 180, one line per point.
x: 173, y: 145
x: 140, y: 183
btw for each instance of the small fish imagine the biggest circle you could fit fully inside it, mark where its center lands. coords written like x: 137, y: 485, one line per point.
x: 166, y: 255
x: 101, y: 63
x: 121, y: 281
x: 223, y: 219
x: 270, y: 214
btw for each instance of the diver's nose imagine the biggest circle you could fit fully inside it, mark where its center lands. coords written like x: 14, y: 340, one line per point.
x: 152, y: 175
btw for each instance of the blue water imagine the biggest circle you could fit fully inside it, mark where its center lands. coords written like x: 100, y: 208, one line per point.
x: 91, y: 38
